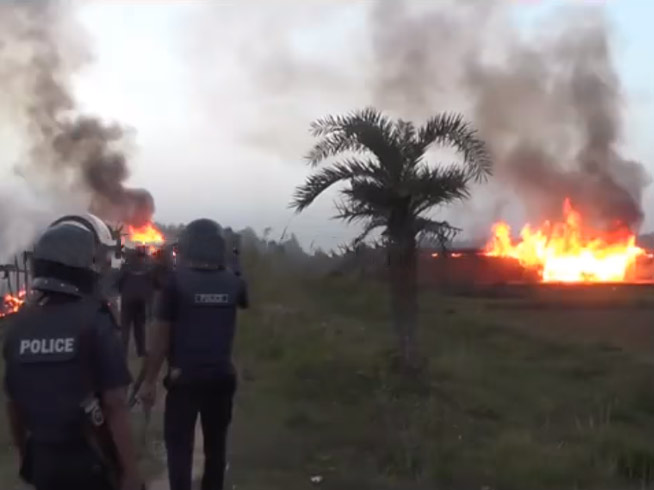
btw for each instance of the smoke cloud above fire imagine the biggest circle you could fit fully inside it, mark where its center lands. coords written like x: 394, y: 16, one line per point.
x: 61, y: 149
x: 549, y: 102
x: 251, y: 76
x: 553, y: 115
x: 550, y: 106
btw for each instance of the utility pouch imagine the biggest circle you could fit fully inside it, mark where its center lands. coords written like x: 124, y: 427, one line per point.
x: 99, y: 440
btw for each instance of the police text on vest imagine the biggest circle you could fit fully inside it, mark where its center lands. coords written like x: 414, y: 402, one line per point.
x: 211, y: 299
x: 47, y: 346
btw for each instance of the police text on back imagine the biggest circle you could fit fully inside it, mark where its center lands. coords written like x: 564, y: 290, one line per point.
x: 47, y: 346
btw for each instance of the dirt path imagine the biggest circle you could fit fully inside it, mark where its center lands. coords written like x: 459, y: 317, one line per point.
x: 160, y: 482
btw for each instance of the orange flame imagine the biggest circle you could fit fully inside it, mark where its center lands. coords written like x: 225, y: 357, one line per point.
x: 568, y: 251
x: 11, y: 304
x: 146, y: 235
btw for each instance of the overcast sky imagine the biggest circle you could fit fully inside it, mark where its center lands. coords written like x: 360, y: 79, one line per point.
x: 212, y: 143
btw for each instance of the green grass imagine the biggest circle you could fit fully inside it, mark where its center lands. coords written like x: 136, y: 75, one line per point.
x: 502, y: 402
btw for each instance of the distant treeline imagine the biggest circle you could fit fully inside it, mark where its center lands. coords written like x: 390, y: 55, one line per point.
x: 286, y: 251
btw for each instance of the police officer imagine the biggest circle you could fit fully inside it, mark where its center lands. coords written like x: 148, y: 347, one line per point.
x: 195, y: 326
x: 65, y: 369
x: 136, y: 285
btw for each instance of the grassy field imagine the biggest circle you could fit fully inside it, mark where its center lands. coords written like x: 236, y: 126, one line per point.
x: 551, y: 392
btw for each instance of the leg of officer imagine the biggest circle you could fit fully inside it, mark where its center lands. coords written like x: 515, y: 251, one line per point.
x: 139, y: 327
x: 216, y: 415
x: 68, y: 468
x: 179, y: 433
x: 76, y: 483
x: 125, y: 322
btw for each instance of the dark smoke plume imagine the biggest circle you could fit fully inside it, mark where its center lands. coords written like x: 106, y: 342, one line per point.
x: 550, y: 108
x: 40, y: 49
x: 548, y: 101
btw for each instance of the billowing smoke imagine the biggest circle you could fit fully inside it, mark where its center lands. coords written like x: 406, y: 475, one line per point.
x: 550, y: 108
x: 92, y: 151
x: 553, y: 115
x: 549, y: 102
x: 41, y: 50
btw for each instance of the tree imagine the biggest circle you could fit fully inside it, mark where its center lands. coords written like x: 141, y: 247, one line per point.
x: 391, y: 186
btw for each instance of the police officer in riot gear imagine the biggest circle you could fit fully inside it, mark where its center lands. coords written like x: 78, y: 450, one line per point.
x: 195, y: 326
x: 65, y: 369
x: 136, y: 285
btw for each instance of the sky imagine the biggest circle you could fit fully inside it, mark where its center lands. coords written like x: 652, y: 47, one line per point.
x: 173, y: 71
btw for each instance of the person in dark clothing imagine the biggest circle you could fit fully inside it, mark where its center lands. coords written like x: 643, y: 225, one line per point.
x: 196, y: 323
x: 136, y: 287
x: 65, y: 370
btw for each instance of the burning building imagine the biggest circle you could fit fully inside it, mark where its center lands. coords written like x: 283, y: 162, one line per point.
x: 148, y: 236
x: 14, y: 284
x: 568, y: 250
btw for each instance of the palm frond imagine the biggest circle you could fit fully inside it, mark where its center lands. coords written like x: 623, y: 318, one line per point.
x: 442, y: 231
x: 332, y: 145
x: 320, y: 181
x: 369, y: 227
x: 366, y: 130
x: 374, y: 194
x: 405, y: 137
x: 368, y: 116
x: 453, y: 130
x: 430, y: 187
x: 351, y: 211
x: 404, y: 132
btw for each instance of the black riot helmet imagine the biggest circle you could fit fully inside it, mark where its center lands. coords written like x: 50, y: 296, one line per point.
x: 71, y: 254
x: 201, y: 245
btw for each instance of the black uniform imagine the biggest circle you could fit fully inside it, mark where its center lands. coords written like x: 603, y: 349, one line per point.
x: 200, y: 305
x: 60, y: 352
x: 136, y: 286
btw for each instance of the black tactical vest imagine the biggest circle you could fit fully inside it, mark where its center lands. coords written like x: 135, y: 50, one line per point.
x: 48, y: 354
x: 203, y: 332
x: 137, y: 281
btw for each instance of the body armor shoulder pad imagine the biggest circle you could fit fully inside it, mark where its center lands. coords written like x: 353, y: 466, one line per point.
x: 84, y: 308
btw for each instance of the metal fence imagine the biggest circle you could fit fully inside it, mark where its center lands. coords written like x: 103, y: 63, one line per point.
x: 15, y: 275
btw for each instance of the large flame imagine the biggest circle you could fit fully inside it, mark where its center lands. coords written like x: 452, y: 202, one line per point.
x: 11, y: 304
x: 569, y: 251
x: 146, y: 235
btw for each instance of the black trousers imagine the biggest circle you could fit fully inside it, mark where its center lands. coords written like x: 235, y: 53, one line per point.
x: 133, y: 315
x: 213, y: 402
x: 69, y: 467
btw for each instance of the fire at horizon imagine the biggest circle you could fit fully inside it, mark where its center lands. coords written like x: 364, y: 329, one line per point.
x: 569, y: 250
x: 146, y: 235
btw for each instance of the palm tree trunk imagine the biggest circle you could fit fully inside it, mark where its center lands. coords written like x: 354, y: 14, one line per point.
x: 404, y: 296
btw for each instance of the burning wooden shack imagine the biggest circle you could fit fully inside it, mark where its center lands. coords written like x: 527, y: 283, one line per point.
x: 15, y: 278
x: 474, y: 268
x: 568, y: 251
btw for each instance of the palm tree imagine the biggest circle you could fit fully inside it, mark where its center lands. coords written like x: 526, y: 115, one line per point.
x: 392, y: 187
